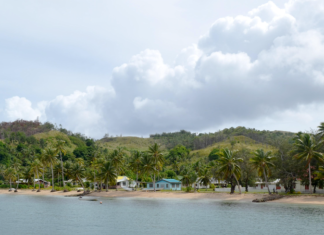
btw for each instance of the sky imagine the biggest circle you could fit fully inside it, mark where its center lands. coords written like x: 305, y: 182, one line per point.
x: 143, y: 67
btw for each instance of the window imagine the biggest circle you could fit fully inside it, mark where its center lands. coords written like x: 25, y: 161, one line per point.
x: 177, y: 185
x: 173, y: 185
x: 158, y: 186
x: 167, y: 186
x: 124, y: 183
x: 278, y: 187
x: 306, y: 187
x: 151, y: 185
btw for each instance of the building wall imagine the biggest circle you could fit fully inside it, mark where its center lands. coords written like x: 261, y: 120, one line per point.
x: 164, y: 185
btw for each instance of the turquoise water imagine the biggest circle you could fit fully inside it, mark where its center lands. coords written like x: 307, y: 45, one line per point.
x: 50, y: 215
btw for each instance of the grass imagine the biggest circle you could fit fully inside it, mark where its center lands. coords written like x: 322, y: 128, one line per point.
x: 130, y: 143
x: 53, y: 135
x: 241, y: 143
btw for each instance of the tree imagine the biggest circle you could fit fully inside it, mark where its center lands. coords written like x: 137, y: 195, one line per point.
x: 50, y: 158
x: 305, y: 148
x: 60, y: 148
x: 321, y: 130
x: 10, y: 174
x: 135, y: 163
x: 205, y: 177
x: 108, y: 173
x: 16, y: 166
x: 157, y: 159
x: 262, y: 161
x: 229, y: 165
x: 36, y: 168
x: 117, y: 159
x: 77, y: 172
x: 214, y: 154
x: 147, y: 165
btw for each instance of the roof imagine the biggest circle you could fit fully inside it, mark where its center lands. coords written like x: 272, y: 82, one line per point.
x: 120, y: 178
x: 170, y: 180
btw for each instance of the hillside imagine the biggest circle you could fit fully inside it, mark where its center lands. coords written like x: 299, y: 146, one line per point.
x: 51, y: 135
x: 240, y: 143
x: 130, y: 143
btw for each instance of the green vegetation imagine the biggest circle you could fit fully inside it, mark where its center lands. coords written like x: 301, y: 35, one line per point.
x: 238, y: 156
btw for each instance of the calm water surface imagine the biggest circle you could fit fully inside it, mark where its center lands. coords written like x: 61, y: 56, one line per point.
x: 50, y: 215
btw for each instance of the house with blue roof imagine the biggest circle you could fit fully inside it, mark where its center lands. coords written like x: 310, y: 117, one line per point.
x: 166, y: 184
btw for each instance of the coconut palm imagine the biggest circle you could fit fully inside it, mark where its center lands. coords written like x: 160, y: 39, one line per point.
x: 262, y: 162
x: 108, y: 173
x: 10, y: 174
x: 117, y: 159
x: 321, y: 130
x: 147, y: 165
x: 16, y: 166
x: 157, y: 159
x: 305, y: 148
x: 36, y: 168
x: 135, y: 163
x: 214, y: 170
x: 50, y: 158
x: 27, y: 174
x: 205, y: 177
x: 228, y: 165
x: 77, y: 172
x: 60, y: 148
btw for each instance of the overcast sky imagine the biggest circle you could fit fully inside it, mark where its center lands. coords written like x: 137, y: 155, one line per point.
x: 143, y: 67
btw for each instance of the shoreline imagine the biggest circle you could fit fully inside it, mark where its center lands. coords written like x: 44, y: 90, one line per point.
x: 287, y: 199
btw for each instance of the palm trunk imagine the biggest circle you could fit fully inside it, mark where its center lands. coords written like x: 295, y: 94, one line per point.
x: 80, y: 180
x: 266, y: 179
x: 310, y: 178
x: 38, y: 181
x: 154, y: 181
x: 238, y: 185
x: 136, y: 180
x: 107, y: 185
x: 62, y: 170
x: 17, y: 183
x: 34, y: 182
x: 43, y: 177
x: 94, y: 181
x: 10, y: 185
x: 53, y: 189
x: 246, y: 185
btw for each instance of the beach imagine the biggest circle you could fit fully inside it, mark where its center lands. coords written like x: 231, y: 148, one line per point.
x: 298, y: 199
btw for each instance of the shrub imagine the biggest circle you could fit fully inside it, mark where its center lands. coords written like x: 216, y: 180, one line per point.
x: 212, y: 186
x: 188, y: 189
x: 23, y: 186
x: 69, y: 184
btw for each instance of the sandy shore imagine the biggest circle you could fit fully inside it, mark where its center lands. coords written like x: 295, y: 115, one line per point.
x: 141, y: 194
x: 315, y: 200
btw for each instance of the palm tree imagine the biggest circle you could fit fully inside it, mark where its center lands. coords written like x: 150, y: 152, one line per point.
x: 262, y: 163
x: 135, y: 163
x: 50, y: 157
x: 147, y: 165
x: 27, y: 174
x: 16, y: 165
x: 108, y: 173
x: 321, y: 130
x: 36, y: 168
x: 214, y: 170
x: 157, y: 159
x: 10, y: 174
x: 204, y: 177
x: 117, y: 159
x: 228, y: 165
x: 60, y: 148
x: 305, y: 148
x: 77, y: 172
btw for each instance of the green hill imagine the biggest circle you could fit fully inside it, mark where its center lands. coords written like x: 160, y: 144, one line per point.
x: 130, y: 143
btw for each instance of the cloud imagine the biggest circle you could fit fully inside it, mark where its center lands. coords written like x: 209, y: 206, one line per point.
x: 258, y: 69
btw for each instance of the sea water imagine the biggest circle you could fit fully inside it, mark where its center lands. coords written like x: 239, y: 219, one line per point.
x: 52, y: 215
